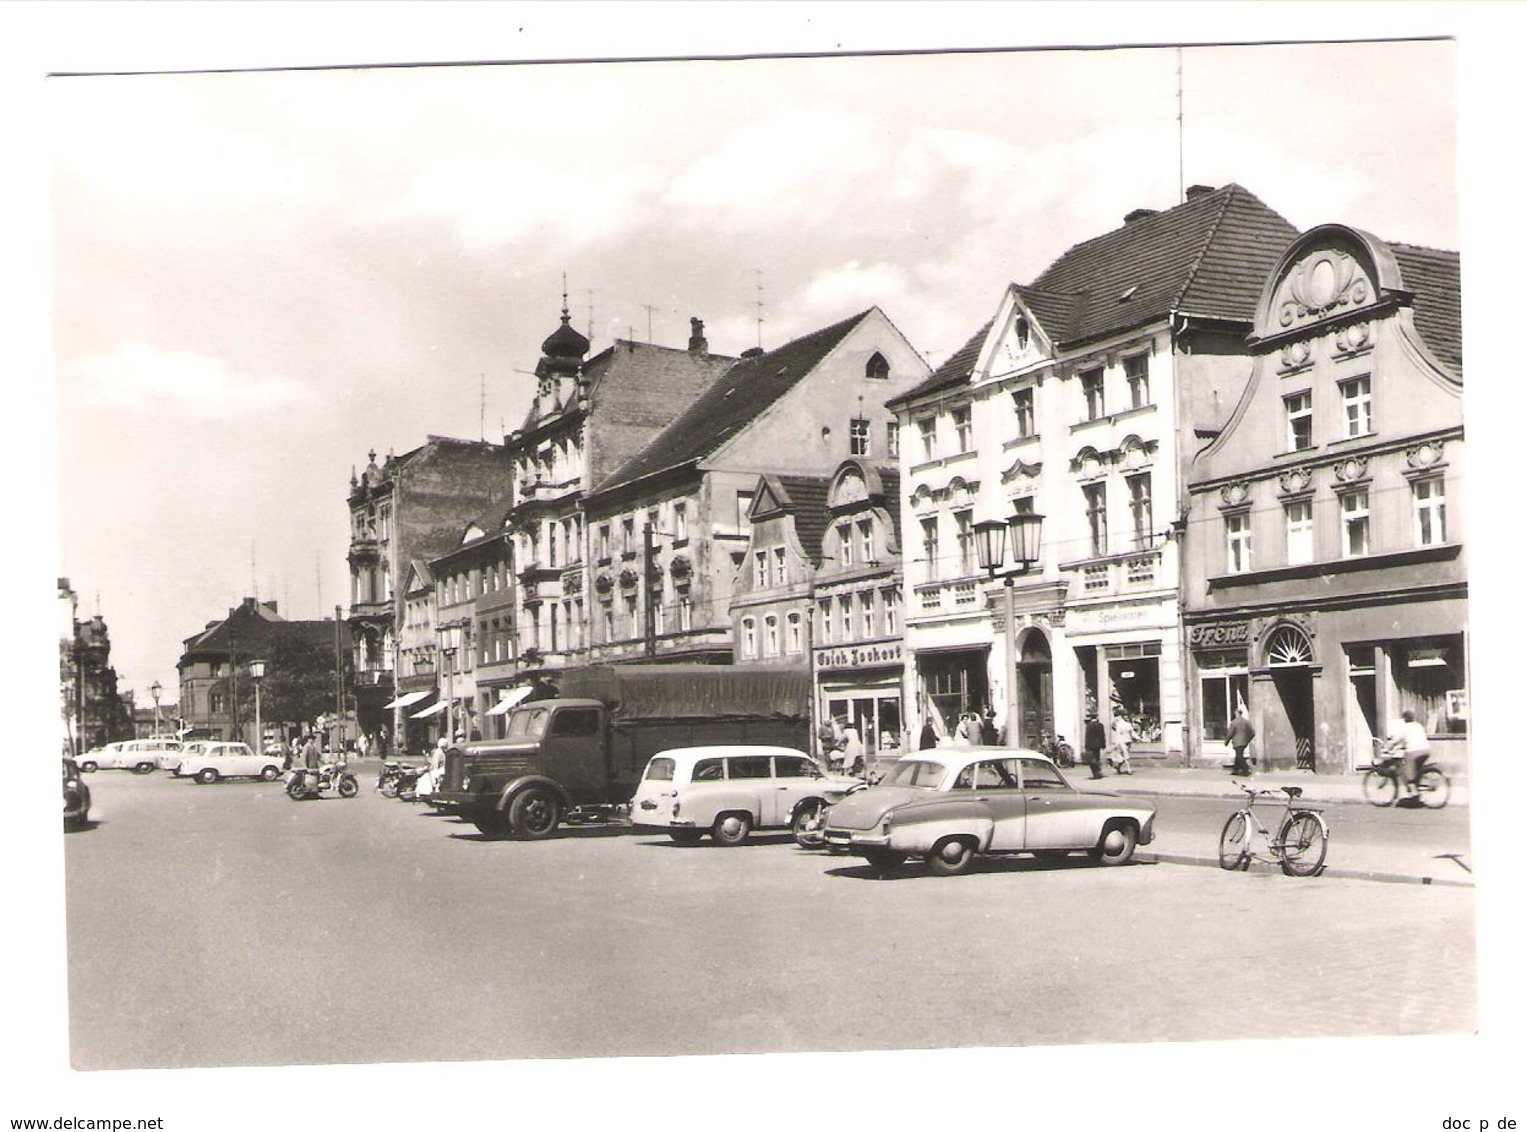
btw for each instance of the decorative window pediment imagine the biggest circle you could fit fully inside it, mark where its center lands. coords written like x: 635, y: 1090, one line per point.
x: 1022, y: 471
x: 1089, y: 463
x: 1135, y: 453
x: 1327, y: 281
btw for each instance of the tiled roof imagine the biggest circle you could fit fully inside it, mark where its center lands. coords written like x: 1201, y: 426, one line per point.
x: 808, y: 503
x: 1432, y: 276
x: 731, y: 403
x: 1208, y: 257
x: 955, y: 371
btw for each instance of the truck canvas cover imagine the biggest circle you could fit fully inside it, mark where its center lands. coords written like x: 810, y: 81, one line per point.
x: 683, y: 691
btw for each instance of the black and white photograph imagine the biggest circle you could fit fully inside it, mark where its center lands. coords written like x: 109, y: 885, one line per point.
x: 668, y: 564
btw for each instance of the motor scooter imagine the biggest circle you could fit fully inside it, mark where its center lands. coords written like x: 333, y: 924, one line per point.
x: 302, y: 783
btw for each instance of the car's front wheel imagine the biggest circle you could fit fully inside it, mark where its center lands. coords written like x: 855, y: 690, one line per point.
x: 952, y: 856
x: 808, y: 823
x: 270, y: 773
x: 206, y: 776
x: 732, y: 829
x: 1116, y: 846
x: 87, y: 768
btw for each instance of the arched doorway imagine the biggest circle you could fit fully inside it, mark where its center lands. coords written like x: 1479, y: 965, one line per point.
x: 1290, y: 660
x: 1036, y: 705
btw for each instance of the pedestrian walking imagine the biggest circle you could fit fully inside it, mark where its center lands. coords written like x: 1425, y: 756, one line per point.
x: 1094, y: 739
x: 1240, y: 737
x: 853, y: 751
x: 1123, y: 736
x: 989, y: 729
x: 928, y: 739
x: 967, y: 731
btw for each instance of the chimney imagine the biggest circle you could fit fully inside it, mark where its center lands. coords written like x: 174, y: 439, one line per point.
x: 1138, y: 214
x: 1195, y: 191
x: 753, y: 352
x: 697, y: 343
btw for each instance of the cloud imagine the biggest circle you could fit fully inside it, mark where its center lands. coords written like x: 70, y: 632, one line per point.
x: 137, y: 377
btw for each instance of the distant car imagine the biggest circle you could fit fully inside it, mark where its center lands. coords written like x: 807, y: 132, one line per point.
x: 76, y: 796
x: 208, y: 762
x: 729, y: 791
x: 141, y: 756
x: 949, y: 806
x: 105, y: 755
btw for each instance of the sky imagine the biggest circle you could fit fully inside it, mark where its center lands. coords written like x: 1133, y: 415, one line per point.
x: 260, y: 278
x: 221, y: 290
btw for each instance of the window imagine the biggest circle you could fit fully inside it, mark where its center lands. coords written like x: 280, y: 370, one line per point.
x: 609, y: 622
x: 890, y: 601
x: 1140, y: 509
x: 760, y: 569
x: 793, y: 633
x: 779, y: 565
x: 824, y: 620
x: 1430, y: 510
x: 604, y: 542
x: 927, y: 430
x: 1021, y: 332
x: 877, y: 368
x: 556, y: 626
x: 964, y: 539
x: 1092, y: 393
x: 680, y: 523
x: 1299, y: 523
x: 1238, y: 542
x: 866, y: 541
x: 744, y: 505
x: 892, y: 441
x: 771, y: 635
x: 632, y: 626
x: 1354, y: 524
x: 858, y: 437
x: 749, y: 766
x: 1299, y: 411
x: 1137, y: 373
x: 628, y: 538
x: 553, y: 541
x: 1357, y: 405
x: 962, y: 428
x: 866, y: 615
x: 1096, y: 497
x: 686, y: 610
x: 1023, y: 411
x: 846, y: 617
x: 930, y: 545
x: 845, y: 544
x: 749, y: 637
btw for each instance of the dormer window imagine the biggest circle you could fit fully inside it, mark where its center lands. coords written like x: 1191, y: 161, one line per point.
x: 877, y: 368
x: 1021, y: 332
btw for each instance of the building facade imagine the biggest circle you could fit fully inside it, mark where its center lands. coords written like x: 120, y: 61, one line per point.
x: 1326, y: 576
x: 91, y: 710
x: 1078, y: 401
x: 410, y: 507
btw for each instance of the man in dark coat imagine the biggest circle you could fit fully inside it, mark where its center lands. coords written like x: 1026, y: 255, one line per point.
x: 1240, y: 737
x: 1094, y: 739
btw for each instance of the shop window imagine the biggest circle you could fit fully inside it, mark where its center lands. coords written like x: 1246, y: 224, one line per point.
x: 1429, y: 507
x: 1299, y: 528
x: 1224, y: 690
x: 1299, y: 413
x: 1134, y: 687
x: 1429, y: 679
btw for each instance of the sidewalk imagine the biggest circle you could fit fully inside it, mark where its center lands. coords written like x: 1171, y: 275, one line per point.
x: 1441, y: 863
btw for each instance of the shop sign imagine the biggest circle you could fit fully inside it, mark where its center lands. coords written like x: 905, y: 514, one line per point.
x: 860, y: 656
x: 1217, y: 636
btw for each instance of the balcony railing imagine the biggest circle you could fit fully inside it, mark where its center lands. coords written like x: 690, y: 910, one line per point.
x: 1120, y: 573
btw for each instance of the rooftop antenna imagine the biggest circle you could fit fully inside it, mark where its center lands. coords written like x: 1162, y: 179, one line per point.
x: 649, y: 308
x: 1181, y: 196
x: 758, y: 288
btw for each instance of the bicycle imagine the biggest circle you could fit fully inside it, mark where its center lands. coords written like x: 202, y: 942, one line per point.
x: 1381, y: 781
x: 1299, y: 847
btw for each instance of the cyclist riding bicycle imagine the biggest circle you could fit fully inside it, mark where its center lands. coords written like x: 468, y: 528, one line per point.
x: 1409, y: 741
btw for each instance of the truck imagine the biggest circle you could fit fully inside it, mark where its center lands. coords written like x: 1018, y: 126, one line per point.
x: 581, y: 752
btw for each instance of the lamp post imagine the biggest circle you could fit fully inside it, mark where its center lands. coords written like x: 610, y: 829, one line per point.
x: 156, y: 690
x: 991, y: 539
x: 450, y: 641
x: 257, y: 673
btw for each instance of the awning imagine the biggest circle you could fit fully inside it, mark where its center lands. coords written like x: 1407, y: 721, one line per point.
x: 515, y: 697
x: 408, y: 698
x: 434, y: 709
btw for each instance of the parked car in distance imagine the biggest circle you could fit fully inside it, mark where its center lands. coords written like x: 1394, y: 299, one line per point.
x: 141, y: 756
x: 729, y: 791
x: 208, y: 762
x: 105, y: 755
x: 76, y: 796
x: 949, y: 806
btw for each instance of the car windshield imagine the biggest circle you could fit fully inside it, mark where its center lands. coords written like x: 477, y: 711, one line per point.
x: 660, y: 770
x: 915, y: 772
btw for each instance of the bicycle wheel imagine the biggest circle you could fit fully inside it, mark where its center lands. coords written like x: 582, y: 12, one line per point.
x: 1235, y: 842
x: 1433, y: 788
x: 1302, y: 844
x: 1380, y: 787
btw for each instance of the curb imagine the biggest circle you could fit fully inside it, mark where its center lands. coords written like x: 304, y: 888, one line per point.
x: 1202, y: 792
x: 1377, y: 875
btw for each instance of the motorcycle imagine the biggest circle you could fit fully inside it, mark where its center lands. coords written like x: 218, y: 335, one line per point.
x: 303, y: 783
x: 398, y: 778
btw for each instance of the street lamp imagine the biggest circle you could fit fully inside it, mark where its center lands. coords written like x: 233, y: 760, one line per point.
x: 450, y: 641
x: 156, y: 690
x: 257, y: 673
x: 991, y: 539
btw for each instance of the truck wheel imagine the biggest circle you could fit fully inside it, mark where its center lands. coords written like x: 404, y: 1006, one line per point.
x: 732, y: 829
x: 534, y: 814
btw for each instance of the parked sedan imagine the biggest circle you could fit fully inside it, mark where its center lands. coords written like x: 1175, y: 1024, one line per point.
x: 207, y: 762
x: 949, y: 806
x: 76, y: 796
x: 141, y: 756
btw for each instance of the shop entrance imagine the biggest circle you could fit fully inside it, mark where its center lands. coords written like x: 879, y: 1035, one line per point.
x: 1036, y: 704
x: 1290, y: 656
